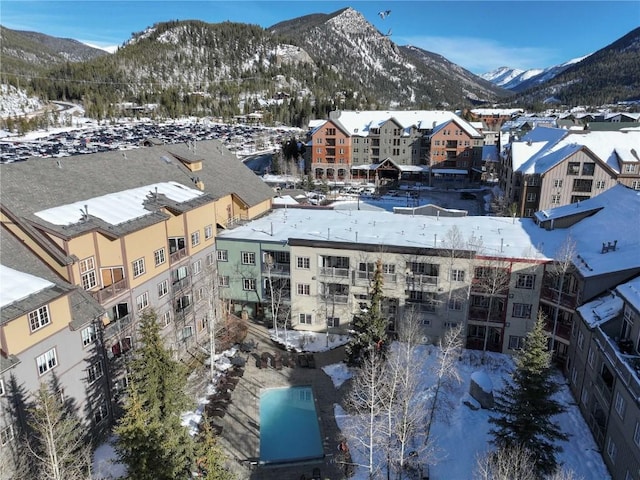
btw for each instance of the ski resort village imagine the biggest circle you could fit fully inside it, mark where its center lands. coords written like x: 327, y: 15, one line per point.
x: 382, y: 294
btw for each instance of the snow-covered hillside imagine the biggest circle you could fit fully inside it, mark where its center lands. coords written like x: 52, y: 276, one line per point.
x: 15, y: 103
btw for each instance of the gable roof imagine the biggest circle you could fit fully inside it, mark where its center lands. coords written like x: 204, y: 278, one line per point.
x: 361, y: 122
x: 466, y: 126
x: 40, y: 184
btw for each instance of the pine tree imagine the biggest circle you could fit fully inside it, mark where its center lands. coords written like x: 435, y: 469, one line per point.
x: 371, y: 326
x: 57, y: 441
x: 210, y: 455
x: 152, y: 413
x: 527, y: 407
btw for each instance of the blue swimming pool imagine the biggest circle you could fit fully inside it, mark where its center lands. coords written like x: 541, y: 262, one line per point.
x: 289, y: 430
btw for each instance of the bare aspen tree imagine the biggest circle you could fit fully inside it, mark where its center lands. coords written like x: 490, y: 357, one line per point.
x: 560, y: 272
x: 214, y: 312
x: 505, y: 464
x: 491, y: 280
x: 58, y: 445
x: 404, y: 407
x: 445, y: 371
x: 279, y: 292
x: 365, y: 402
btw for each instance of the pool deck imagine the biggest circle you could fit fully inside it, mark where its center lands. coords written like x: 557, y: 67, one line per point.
x: 240, y: 437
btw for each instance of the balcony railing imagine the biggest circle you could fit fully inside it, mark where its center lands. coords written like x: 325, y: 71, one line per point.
x: 421, y: 307
x: 111, y: 291
x: 567, y: 300
x: 334, y: 272
x: 479, y: 314
x: 331, y: 298
x: 116, y: 326
x: 182, y: 312
x: 562, y: 330
x: 179, y: 285
x: 276, y: 269
x: 368, y: 276
x: 178, y: 255
x: 419, y: 281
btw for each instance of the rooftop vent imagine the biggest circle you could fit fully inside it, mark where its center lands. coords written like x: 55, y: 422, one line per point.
x: 609, y: 246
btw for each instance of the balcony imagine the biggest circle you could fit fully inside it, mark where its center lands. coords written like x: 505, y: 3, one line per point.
x: 562, y: 329
x: 116, y: 326
x: 178, y: 255
x: 567, y: 300
x: 479, y: 314
x: 331, y: 299
x: 418, y: 282
x: 334, y: 272
x: 366, y: 277
x: 280, y: 269
x: 182, y: 312
x: 182, y: 284
x: 111, y: 291
x: 420, y: 307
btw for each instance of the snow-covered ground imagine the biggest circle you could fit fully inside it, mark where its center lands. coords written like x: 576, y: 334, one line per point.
x: 463, y: 434
x: 459, y: 437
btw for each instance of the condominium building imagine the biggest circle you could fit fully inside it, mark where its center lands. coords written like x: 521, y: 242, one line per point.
x: 551, y: 167
x: 314, y: 268
x: 382, y: 146
x: 49, y: 334
x: 604, y: 375
x: 136, y: 230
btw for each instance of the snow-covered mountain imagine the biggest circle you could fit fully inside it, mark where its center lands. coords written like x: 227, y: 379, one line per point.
x: 518, y: 80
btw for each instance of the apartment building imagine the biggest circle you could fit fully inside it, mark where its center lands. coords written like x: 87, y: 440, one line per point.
x: 492, y: 119
x: 316, y: 266
x: 382, y: 146
x: 604, y: 375
x: 551, y: 167
x: 136, y: 230
x: 48, y: 335
x: 601, y: 238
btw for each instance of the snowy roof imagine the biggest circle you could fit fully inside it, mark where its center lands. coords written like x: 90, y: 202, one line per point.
x: 449, y: 171
x: 285, y: 200
x: 360, y: 122
x: 119, y: 207
x: 466, y: 126
x: 499, y: 236
x: 631, y: 292
x: 608, y: 146
x: 18, y: 285
x: 490, y: 153
x: 601, y: 309
x: 615, y: 217
x: 496, y: 111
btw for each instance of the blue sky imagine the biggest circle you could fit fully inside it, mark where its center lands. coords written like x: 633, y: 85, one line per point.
x: 477, y: 35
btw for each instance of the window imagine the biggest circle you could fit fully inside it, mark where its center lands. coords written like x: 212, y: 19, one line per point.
x: 47, y: 361
x: 100, y: 413
x: 620, y: 405
x: 611, y: 450
x: 186, y: 332
x: 222, y: 256
x: 223, y: 280
x: 333, y: 321
x: 165, y: 319
x: 600, y: 184
x: 88, y: 273
x: 526, y: 280
x: 555, y: 199
x: 584, y: 398
x: 88, y: 335
x: 515, y: 342
x: 197, y: 267
x: 636, y: 434
x: 581, y: 340
x: 304, y: 289
x: 198, y: 294
x: 591, y: 357
x: 455, y: 304
x: 248, y: 258
x: 121, y: 346
x: 39, y: 318
x: 303, y: 262
x: 183, y: 303
x: 6, y: 435
x: 142, y: 301
x: 195, y: 238
x: 94, y: 372
x: 457, y: 275
x: 305, y: 318
x: 635, y: 184
x: 531, y: 197
x: 573, y: 168
x: 210, y: 260
x: 159, y: 256
x: 557, y: 183
x: 249, y: 284
x: 2, y: 392
x: 202, y: 323
x: 528, y: 212
x: 138, y: 267
x: 521, y: 310
x: 208, y: 232
x: 582, y: 185
x: 629, y: 168
x: 163, y: 288
x: 533, y: 181
x: 588, y: 168
x: 579, y: 198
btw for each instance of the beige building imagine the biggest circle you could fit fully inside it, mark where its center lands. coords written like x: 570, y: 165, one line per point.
x: 550, y: 167
x: 136, y: 230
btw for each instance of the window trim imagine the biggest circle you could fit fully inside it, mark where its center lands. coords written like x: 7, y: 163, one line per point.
x: 248, y: 258
x: 195, y: 238
x: 208, y: 232
x: 145, y: 303
x: 138, y: 267
x: 47, y: 361
x: 222, y: 255
x: 163, y: 288
x: 90, y: 338
x: 37, y: 316
x: 249, y: 284
x: 159, y: 256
